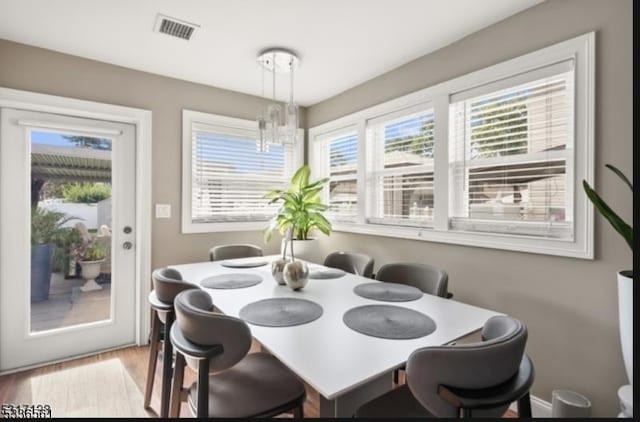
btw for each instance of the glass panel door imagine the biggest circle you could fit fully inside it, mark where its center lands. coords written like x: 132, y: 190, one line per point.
x: 67, y: 250
x: 71, y: 227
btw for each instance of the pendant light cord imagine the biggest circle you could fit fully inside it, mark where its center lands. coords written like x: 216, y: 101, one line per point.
x: 291, y: 80
x: 273, y: 69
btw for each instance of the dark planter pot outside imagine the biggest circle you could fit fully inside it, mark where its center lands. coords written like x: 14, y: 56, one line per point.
x: 41, y: 267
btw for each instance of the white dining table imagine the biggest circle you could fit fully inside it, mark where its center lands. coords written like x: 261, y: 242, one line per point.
x: 345, y: 367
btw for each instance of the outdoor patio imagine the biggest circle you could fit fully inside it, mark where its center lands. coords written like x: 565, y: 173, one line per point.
x: 68, y: 305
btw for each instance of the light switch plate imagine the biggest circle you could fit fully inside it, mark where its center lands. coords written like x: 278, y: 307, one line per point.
x: 163, y: 211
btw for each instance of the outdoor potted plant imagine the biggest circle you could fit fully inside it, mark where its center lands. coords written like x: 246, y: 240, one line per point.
x: 625, y: 278
x: 300, y: 212
x: 90, y: 256
x: 46, y: 233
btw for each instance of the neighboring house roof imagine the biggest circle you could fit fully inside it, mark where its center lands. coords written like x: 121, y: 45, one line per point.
x: 70, y: 163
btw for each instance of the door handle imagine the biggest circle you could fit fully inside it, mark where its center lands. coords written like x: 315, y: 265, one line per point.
x: 127, y: 245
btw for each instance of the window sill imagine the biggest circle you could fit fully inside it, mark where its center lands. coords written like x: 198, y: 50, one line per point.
x: 510, y: 242
x: 189, y: 227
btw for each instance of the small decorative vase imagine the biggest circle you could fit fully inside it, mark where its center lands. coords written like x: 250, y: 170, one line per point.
x: 296, y: 274
x: 277, y: 269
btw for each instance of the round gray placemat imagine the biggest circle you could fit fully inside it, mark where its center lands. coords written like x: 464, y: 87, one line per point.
x: 325, y: 273
x: 388, y: 292
x: 231, y: 281
x: 391, y: 322
x: 242, y: 264
x: 281, y: 312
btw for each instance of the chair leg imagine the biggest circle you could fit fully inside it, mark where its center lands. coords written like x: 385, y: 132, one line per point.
x: 167, y: 361
x: 298, y: 412
x: 524, y: 406
x: 153, y: 358
x: 176, y: 386
x: 202, y: 409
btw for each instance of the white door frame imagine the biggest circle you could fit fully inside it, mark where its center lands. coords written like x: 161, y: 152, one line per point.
x: 32, y: 101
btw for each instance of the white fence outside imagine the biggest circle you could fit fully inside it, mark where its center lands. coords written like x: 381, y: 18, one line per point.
x: 85, y: 213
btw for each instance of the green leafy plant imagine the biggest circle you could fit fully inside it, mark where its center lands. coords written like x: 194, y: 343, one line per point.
x: 90, y: 251
x: 301, y: 209
x: 46, y: 226
x: 86, y: 193
x: 625, y: 230
x: 62, y: 256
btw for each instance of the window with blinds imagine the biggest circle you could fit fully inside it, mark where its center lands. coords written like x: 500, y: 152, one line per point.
x: 341, y: 162
x: 229, y: 176
x: 511, y: 151
x: 400, y: 169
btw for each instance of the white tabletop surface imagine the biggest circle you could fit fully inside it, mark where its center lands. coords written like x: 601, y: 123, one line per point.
x: 325, y: 353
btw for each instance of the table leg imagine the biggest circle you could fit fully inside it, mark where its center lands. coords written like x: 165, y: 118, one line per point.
x: 345, y: 405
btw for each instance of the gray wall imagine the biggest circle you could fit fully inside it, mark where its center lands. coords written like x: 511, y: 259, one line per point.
x: 45, y: 71
x: 569, y: 305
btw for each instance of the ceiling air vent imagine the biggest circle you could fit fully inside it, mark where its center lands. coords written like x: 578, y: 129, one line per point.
x: 175, y: 27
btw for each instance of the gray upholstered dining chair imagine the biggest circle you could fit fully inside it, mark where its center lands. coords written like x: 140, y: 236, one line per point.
x: 167, y: 283
x: 230, y: 383
x: 351, y: 262
x: 429, y: 279
x: 221, y: 252
x: 474, y: 379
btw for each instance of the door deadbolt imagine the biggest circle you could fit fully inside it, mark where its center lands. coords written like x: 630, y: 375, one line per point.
x: 127, y: 229
x: 127, y: 245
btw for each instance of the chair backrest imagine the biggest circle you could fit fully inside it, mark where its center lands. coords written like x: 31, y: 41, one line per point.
x: 429, y: 279
x: 167, y: 283
x: 351, y: 262
x: 221, y: 252
x: 469, y: 366
x: 201, y: 325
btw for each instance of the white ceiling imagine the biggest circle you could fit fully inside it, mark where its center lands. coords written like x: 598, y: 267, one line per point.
x: 341, y: 43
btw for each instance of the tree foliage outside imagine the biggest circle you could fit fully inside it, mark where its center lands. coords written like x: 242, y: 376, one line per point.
x: 420, y: 144
x: 90, y: 142
x: 499, y: 129
x: 86, y: 193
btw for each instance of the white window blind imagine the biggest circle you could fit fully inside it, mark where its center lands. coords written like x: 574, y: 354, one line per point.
x: 511, y: 154
x: 400, y: 169
x: 230, y: 176
x: 340, y: 151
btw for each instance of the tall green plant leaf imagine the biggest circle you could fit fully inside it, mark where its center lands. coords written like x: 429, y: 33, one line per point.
x: 301, y: 178
x: 614, y: 219
x: 620, y: 175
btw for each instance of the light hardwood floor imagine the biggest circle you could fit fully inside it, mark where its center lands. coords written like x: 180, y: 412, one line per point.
x: 109, y: 384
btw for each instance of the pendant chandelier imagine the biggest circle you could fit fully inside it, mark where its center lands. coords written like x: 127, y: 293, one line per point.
x: 278, y: 125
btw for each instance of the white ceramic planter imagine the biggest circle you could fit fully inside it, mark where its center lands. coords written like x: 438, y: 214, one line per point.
x: 90, y: 270
x: 625, y: 314
x: 303, y: 249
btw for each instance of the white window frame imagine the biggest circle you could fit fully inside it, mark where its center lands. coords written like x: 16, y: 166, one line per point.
x: 189, y: 118
x: 323, y: 166
x: 582, y: 50
x: 373, y: 206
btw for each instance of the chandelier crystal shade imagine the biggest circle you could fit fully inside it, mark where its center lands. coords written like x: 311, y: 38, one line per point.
x: 278, y: 125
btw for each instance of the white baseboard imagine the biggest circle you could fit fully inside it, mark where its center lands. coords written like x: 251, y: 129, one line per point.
x: 539, y: 408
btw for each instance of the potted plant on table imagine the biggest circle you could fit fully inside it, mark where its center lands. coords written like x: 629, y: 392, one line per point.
x: 300, y: 212
x: 625, y: 278
x: 90, y: 256
x: 46, y: 233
